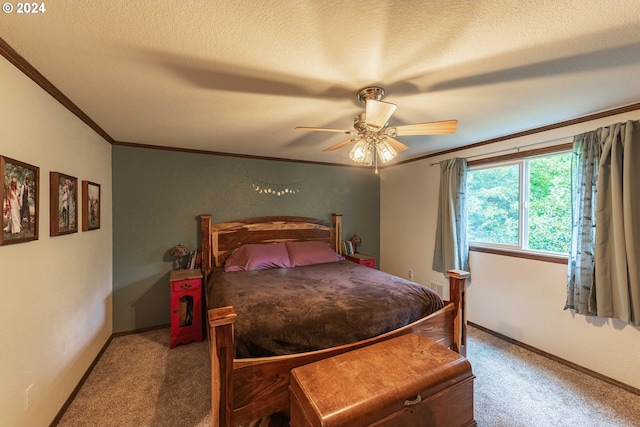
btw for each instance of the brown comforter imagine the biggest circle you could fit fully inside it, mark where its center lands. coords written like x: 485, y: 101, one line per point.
x: 286, y: 311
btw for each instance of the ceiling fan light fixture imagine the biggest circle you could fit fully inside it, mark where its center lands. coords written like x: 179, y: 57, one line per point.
x: 362, y: 152
x: 385, y: 151
x: 374, y: 139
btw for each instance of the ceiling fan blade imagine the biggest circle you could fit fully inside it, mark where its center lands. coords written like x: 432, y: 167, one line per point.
x: 397, y: 145
x: 432, y: 128
x: 377, y: 113
x: 340, y: 145
x: 325, y: 129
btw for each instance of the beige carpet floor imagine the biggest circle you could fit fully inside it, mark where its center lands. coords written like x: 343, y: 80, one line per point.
x: 139, y: 382
x: 517, y: 388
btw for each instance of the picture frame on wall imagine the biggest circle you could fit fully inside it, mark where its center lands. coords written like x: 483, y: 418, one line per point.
x: 63, y: 195
x: 90, y: 206
x: 19, y: 184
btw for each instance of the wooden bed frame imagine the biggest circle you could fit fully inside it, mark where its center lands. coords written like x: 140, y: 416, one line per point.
x: 243, y: 390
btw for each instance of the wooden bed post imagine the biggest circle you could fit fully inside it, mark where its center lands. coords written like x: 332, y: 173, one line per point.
x: 337, y: 239
x: 205, y: 222
x: 221, y: 322
x: 457, y: 291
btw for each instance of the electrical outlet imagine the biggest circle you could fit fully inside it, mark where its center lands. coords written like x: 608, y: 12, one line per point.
x: 27, y: 396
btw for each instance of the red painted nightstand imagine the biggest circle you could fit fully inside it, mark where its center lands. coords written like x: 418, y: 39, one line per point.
x: 186, y: 306
x: 362, y: 259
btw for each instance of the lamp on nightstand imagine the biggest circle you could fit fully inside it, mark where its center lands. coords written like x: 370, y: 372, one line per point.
x: 179, y: 251
x: 356, y: 241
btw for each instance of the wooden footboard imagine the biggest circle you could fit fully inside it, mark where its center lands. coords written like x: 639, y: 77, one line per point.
x: 246, y: 389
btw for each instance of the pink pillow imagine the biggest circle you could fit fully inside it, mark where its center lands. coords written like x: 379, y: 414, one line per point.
x: 311, y: 252
x: 258, y: 257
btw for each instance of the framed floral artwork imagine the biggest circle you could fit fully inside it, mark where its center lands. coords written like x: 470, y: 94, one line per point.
x: 90, y: 206
x: 19, y: 182
x: 63, y: 194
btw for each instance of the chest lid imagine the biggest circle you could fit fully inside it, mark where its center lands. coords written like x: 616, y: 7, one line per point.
x: 364, y: 385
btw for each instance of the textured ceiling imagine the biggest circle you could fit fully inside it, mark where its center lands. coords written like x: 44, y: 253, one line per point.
x: 238, y: 76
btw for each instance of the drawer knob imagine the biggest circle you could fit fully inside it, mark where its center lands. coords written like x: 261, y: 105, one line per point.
x: 415, y: 401
x: 185, y: 286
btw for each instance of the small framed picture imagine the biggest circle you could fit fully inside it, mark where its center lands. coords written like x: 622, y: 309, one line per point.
x: 63, y: 195
x: 19, y: 183
x: 90, y: 206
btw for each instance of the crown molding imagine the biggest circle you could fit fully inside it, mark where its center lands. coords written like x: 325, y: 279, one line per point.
x: 558, y: 125
x: 243, y: 156
x: 29, y: 70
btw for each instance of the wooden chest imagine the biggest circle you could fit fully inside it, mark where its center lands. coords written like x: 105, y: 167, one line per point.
x: 406, y: 381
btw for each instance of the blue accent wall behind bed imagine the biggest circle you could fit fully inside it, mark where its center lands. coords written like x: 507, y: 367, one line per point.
x: 159, y: 194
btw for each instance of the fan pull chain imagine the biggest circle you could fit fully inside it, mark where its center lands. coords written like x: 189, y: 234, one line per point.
x: 375, y: 156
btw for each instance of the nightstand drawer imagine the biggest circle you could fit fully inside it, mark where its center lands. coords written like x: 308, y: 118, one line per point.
x: 184, y: 285
x: 371, y: 263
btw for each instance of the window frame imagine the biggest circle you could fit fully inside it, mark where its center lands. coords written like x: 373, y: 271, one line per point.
x: 508, y: 250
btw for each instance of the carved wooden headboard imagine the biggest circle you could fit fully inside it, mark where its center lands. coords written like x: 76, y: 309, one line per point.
x: 219, y: 240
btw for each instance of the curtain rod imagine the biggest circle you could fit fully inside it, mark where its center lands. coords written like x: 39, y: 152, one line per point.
x: 517, y: 148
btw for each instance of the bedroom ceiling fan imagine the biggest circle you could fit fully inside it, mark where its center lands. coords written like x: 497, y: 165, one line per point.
x: 374, y: 138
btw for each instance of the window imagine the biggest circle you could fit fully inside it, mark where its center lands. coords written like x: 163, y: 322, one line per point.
x: 522, y: 204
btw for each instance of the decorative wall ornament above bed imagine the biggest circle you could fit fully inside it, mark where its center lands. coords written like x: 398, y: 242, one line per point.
x: 276, y: 189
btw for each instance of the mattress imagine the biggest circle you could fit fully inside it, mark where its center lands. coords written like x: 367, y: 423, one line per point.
x: 295, y: 310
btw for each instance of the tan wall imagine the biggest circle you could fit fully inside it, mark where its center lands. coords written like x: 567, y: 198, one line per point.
x: 520, y: 298
x: 56, y: 291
